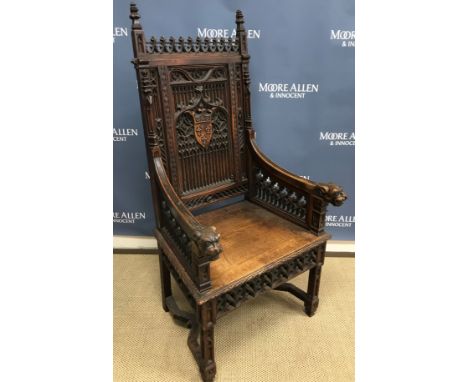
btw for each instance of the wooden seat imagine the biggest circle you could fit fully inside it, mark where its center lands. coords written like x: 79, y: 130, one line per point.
x: 201, y: 149
x: 253, y: 238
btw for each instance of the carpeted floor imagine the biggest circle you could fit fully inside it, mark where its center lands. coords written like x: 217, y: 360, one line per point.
x: 267, y: 339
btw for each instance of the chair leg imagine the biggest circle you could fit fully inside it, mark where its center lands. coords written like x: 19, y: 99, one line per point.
x: 204, y: 351
x: 312, y: 301
x: 166, y: 290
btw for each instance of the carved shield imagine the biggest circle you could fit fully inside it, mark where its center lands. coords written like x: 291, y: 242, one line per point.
x: 203, y: 127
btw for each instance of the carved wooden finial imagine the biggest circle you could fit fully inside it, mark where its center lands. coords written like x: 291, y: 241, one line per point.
x: 135, y: 16
x: 239, y: 20
x: 138, y: 37
x: 241, y: 36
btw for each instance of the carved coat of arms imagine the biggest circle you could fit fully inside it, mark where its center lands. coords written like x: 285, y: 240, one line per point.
x: 202, y: 112
x: 203, y: 126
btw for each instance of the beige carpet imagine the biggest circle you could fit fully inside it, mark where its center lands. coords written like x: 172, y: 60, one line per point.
x: 267, y: 339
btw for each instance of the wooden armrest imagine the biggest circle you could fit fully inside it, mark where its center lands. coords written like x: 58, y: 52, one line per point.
x: 195, y: 244
x: 300, y: 200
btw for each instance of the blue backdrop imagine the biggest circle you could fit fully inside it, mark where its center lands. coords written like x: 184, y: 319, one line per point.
x: 302, y: 88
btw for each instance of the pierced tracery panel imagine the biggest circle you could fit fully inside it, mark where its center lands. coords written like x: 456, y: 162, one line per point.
x: 184, y: 93
x: 268, y: 280
x: 202, y: 127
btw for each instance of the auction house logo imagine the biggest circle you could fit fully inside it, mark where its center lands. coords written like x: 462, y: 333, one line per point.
x: 339, y: 221
x: 128, y: 217
x: 120, y: 135
x: 346, y: 38
x: 338, y: 139
x: 225, y: 33
x: 294, y: 90
x: 119, y: 32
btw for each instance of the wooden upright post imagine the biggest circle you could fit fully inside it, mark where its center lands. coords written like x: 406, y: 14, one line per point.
x: 138, y: 36
x: 241, y: 37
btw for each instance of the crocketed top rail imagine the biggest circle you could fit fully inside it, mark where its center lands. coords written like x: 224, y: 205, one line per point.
x: 205, y: 45
x: 189, y: 44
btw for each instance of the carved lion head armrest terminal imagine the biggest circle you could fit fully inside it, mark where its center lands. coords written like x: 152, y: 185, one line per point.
x: 207, y: 243
x: 332, y: 193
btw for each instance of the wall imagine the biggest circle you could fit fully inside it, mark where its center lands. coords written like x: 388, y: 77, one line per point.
x: 302, y: 73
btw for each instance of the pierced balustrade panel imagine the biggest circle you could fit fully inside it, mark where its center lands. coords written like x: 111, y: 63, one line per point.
x: 271, y: 191
x: 172, y: 228
x: 187, y: 249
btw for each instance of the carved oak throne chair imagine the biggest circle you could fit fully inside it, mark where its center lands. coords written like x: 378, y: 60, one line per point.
x: 201, y: 149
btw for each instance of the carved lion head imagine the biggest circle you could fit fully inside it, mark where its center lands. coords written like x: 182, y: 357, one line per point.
x: 333, y: 194
x: 207, y: 241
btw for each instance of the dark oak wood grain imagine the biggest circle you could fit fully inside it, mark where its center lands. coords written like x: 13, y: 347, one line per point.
x: 201, y: 149
x: 252, y: 238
